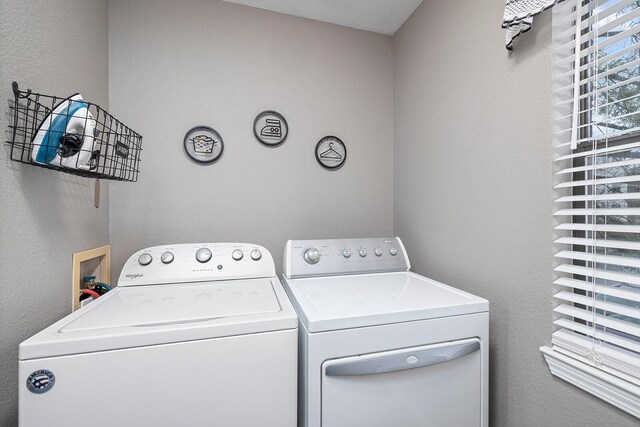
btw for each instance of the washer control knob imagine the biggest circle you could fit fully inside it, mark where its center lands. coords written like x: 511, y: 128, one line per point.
x: 377, y: 251
x: 203, y: 255
x: 237, y: 254
x: 145, y: 259
x: 256, y: 254
x: 166, y: 258
x: 346, y: 253
x: 312, y: 256
x: 362, y: 252
x: 393, y: 251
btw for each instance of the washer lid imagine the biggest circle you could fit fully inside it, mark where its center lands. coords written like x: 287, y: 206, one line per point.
x: 136, y: 316
x: 174, y: 304
x: 343, y: 302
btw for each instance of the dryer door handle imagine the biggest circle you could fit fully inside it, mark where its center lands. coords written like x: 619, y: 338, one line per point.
x: 403, y: 359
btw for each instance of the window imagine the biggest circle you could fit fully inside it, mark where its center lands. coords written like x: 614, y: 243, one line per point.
x: 596, y: 343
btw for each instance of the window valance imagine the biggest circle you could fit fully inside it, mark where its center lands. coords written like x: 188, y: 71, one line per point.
x: 518, y: 16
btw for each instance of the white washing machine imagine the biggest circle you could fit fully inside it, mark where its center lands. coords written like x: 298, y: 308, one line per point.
x: 381, y: 346
x: 193, y: 335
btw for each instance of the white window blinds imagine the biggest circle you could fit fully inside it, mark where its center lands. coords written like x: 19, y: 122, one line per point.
x: 597, y: 196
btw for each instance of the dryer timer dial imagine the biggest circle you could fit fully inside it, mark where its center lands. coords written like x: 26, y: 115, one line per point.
x: 312, y: 256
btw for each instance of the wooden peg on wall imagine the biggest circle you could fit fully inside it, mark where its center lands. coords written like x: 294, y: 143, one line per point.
x: 96, y: 194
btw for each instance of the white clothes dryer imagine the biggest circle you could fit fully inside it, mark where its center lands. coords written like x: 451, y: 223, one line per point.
x: 193, y: 335
x: 381, y: 346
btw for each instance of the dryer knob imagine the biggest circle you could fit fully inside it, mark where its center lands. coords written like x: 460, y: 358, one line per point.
x: 362, y: 252
x: 346, y: 253
x: 203, y: 255
x: 312, y: 256
x: 378, y: 251
x: 256, y: 254
x: 145, y: 259
x: 393, y: 251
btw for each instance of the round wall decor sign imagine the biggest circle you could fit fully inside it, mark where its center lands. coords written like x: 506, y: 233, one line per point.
x: 203, y: 144
x: 270, y: 128
x: 331, y: 152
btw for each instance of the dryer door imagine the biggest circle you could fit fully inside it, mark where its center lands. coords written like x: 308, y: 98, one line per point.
x: 435, y: 385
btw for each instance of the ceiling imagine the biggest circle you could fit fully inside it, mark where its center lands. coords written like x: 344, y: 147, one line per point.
x: 380, y: 16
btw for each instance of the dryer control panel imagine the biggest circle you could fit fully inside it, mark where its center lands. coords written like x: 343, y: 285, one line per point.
x: 304, y: 258
x: 196, y: 262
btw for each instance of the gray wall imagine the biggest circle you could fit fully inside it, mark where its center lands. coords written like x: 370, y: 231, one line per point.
x: 472, y: 192
x: 45, y: 216
x: 174, y: 65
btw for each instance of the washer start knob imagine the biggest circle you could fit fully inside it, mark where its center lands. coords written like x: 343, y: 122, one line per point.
x: 203, y: 255
x: 312, y: 256
x: 237, y: 255
x: 256, y: 254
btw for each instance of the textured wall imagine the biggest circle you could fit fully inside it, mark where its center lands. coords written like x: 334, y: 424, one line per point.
x: 472, y: 192
x: 56, y: 48
x: 174, y: 65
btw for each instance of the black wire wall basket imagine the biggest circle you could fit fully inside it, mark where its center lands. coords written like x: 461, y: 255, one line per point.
x: 73, y: 136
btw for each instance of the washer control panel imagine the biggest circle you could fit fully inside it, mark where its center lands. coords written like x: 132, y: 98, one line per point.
x: 196, y: 262
x: 303, y: 258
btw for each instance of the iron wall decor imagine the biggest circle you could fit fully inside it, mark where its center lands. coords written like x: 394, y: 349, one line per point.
x: 331, y: 152
x: 270, y: 128
x: 203, y: 144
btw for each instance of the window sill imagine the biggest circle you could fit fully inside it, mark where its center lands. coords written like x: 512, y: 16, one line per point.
x: 607, y: 387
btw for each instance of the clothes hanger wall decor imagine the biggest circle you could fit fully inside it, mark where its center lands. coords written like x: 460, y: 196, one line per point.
x: 331, y: 152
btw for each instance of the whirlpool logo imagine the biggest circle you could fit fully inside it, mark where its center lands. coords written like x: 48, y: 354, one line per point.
x: 133, y: 275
